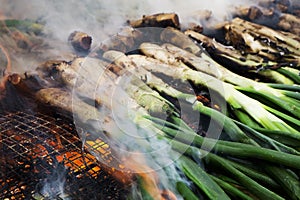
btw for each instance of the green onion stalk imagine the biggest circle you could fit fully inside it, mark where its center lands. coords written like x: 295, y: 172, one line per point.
x: 294, y: 74
x: 85, y: 79
x: 284, y: 182
x: 242, y: 174
x: 22, y: 25
x: 212, y: 68
x: 236, y: 99
x: 230, y: 127
x: 159, y: 85
x: 248, y: 62
x: 143, y: 120
x: 274, y: 45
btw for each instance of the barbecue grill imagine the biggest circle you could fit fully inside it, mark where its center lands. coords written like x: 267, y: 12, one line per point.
x: 42, y: 158
x: 204, y: 108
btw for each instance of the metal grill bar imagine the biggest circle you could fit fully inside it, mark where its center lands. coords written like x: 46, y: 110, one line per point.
x: 39, y: 153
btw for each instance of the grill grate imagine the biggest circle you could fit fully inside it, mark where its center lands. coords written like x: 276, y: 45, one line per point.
x: 41, y: 158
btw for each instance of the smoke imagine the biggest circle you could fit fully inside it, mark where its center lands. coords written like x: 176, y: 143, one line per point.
x: 104, y: 18
x: 136, y: 142
x: 98, y: 18
x: 53, y: 185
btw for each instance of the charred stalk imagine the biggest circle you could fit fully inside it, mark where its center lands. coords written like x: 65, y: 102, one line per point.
x: 124, y: 41
x: 158, y: 20
x: 80, y: 41
x: 270, y: 18
x: 268, y: 43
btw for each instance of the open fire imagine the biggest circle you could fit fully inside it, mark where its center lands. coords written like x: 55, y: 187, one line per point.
x: 197, y: 102
x: 41, y: 157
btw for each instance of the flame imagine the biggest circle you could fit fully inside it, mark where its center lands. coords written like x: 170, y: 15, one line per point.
x: 121, y: 172
x: 149, y: 178
x: 76, y: 162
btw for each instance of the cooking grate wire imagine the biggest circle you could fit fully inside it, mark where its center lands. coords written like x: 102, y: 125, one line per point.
x: 40, y: 152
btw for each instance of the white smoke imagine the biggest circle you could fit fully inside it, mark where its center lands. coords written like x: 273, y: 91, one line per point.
x: 98, y: 18
x: 103, y: 18
x: 53, y: 186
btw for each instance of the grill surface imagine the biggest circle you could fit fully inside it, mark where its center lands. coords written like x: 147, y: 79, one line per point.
x: 41, y: 158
